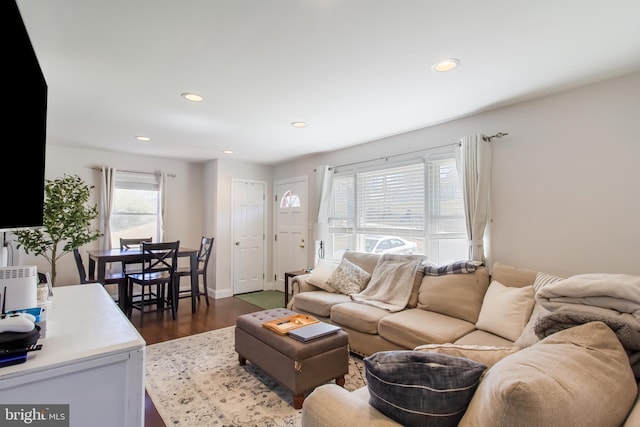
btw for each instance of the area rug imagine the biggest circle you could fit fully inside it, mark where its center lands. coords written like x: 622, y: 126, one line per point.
x: 264, y: 299
x: 197, y: 381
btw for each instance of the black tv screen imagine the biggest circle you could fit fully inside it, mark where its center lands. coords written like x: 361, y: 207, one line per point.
x: 24, y: 124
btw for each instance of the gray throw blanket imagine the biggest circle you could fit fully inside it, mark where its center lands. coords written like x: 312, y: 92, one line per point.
x: 628, y: 334
x: 610, y: 298
x: 391, y: 282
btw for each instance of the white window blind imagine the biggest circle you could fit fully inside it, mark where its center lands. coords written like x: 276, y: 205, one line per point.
x: 410, y: 206
x: 136, y: 206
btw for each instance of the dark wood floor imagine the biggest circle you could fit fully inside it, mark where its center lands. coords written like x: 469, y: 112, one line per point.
x: 161, y: 327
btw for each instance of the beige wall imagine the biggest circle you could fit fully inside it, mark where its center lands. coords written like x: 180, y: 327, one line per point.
x: 566, y: 195
x: 184, y: 213
x: 565, y: 183
x: 219, y: 216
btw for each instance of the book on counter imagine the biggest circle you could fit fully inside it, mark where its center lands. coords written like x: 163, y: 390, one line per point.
x: 313, y: 331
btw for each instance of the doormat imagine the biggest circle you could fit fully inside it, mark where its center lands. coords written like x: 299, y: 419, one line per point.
x: 264, y: 299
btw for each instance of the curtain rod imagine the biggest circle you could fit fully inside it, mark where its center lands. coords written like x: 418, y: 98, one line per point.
x: 485, y: 138
x: 497, y: 135
x: 99, y: 169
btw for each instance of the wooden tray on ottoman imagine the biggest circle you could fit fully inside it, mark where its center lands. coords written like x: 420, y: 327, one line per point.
x: 283, y: 325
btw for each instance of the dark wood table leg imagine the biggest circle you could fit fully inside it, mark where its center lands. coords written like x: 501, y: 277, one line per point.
x: 194, y: 279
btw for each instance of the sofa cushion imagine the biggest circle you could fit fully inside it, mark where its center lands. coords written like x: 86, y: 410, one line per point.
x: 321, y: 274
x: 479, y: 337
x: 512, y: 276
x: 488, y: 355
x: 528, y: 336
x: 348, y: 278
x: 576, y: 377
x: 360, y: 317
x: 318, y: 302
x: 413, y: 327
x: 365, y: 260
x: 456, y: 295
x: 420, y: 388
x: 506, y: 310
x: 457, y: 267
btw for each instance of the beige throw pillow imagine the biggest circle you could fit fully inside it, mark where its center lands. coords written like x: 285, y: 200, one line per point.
x: 321, y: 274
x: 348, y: 278
x: 506, y: 310
x: 576, y: 377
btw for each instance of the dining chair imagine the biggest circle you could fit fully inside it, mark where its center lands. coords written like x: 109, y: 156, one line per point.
x: 110, y: 279
x: 204, y: 253
x: 155, y: 281
x: 132, y: 243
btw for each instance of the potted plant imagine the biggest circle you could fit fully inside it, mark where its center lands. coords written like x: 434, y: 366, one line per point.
x: 66, y: 223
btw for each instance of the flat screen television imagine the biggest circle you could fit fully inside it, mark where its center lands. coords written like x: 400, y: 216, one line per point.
x: 24, y: 126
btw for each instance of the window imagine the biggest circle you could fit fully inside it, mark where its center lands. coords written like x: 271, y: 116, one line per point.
x: 290, y: 200
x: 414, y: 206
x: 136, y: 207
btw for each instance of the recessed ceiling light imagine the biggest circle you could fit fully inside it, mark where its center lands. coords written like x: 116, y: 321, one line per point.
x: 299, y: 124
x: 228, y: 152
x: 446, y: 64
x: 192, y: 97
x: 143, y: 138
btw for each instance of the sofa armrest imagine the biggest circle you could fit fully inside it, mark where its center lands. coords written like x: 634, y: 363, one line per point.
x: 333, y: 406
x: 299, y: 284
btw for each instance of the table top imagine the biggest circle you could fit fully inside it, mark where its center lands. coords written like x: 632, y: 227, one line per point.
x: 117, y: 253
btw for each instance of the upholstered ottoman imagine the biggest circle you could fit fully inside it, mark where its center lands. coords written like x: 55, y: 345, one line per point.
x: 298, y: 366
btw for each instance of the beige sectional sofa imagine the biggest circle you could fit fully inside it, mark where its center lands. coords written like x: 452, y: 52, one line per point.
x: 486, y: 317
x: 443, y: 309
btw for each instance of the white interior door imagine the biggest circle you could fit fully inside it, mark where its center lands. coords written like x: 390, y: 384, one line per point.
x: 291, y: 216
x: 248, y: 236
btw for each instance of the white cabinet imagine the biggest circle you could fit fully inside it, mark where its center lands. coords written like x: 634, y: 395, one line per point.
x: 92, y: 359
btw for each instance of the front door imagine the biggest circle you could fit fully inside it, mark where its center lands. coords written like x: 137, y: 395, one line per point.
x: 291, y: 215
x: 248, y: 236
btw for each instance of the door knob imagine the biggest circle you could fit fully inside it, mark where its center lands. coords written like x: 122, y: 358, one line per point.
x: 237, y: 243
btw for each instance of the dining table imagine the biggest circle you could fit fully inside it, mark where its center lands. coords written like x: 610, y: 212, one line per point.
x: 100, y: 258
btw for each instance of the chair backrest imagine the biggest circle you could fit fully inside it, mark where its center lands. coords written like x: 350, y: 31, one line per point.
x: 81, y: 270
x: 134, y: 242
x: 160, y: 257
x: 204, y: 253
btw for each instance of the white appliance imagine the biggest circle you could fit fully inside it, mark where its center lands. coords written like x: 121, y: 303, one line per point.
x: 19, y: 287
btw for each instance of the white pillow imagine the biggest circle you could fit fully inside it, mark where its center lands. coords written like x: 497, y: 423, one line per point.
x: 506, y: 310
x: 321, y: 273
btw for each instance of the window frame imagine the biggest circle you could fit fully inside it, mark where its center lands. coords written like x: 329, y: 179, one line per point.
x: 125, y: 180
x: 432, y: 231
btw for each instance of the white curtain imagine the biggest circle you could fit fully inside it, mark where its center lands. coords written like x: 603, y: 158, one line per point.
x: 163, y: 203
x: 324, y: 181
x: 473, y: 160
x: 107, y: 187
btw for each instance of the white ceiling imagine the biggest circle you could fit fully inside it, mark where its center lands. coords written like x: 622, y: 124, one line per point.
x: 355, y: 70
